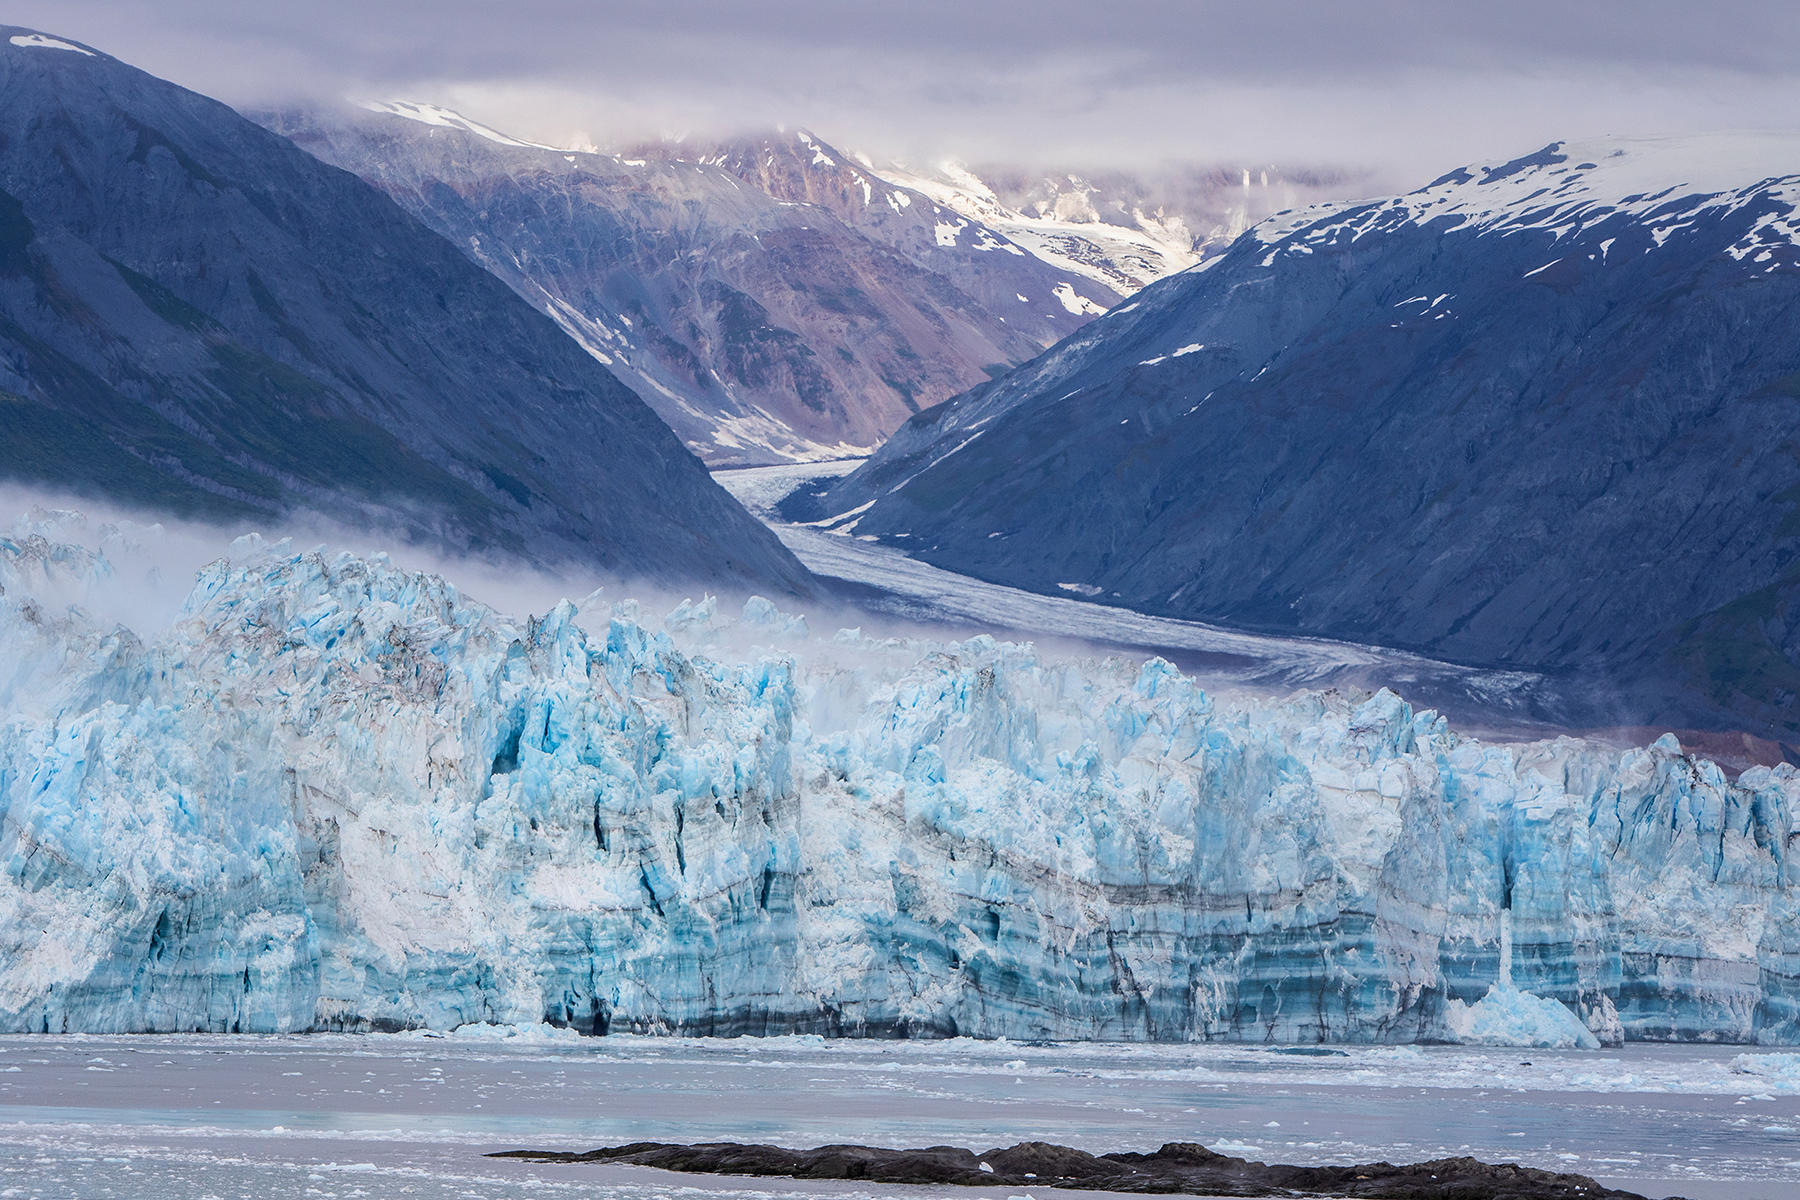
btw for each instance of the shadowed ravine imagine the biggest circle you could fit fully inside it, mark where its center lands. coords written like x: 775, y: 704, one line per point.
x: 1179, y: 1167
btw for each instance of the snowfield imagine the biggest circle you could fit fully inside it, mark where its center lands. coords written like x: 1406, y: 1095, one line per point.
x: 334, y: 794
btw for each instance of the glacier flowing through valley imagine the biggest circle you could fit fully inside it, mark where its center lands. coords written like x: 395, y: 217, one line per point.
x: 335, y: 794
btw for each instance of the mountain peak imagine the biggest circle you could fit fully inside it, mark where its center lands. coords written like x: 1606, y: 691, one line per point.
x: 201, y: 318
x: 1637, y: 169
x: 1568, y: 187
x: 1536, y: 413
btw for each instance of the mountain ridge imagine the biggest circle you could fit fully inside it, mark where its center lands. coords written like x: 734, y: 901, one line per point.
x: 197, y: 317
x: 763, y: 326
x: 1406, y: 420
x: 772, y: 296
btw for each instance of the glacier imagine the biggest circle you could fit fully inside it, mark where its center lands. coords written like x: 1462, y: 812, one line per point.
x: 330, y: 793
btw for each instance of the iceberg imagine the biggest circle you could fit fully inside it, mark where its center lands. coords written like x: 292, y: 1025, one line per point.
x: 1508, y: 1017
x: 334, y: 794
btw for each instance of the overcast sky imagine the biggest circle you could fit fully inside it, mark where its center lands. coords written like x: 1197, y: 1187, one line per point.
x: 1407, y: 88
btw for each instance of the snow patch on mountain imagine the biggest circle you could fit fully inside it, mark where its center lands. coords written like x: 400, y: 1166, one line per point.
x: 1067, y: 297
x: 444, y: 118
x: 41, y: 41
x: 757, y: 430
x: 1122, y: 258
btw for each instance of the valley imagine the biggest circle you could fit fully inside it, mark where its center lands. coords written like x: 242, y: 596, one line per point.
x: 1098, y: 606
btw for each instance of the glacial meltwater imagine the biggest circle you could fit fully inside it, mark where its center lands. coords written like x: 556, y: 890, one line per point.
x: 377, y: 1116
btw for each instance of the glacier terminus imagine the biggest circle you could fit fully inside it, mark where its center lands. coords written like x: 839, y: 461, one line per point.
x: 334, y: 794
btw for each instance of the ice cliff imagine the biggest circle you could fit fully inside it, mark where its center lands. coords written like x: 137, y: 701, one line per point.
x: 334, y: 794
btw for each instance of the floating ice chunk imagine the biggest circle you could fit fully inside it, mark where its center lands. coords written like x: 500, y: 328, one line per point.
x: 1782, y: 1070
x: 1507, y: 1016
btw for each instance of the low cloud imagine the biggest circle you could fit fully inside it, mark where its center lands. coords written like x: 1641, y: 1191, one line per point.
x: 155, y: 557
x: 1406, y: 88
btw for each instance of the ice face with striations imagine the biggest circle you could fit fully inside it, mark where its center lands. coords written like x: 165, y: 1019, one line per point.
x: 333, y: 794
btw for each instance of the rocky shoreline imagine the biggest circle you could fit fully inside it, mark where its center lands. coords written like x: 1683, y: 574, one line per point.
x: 1179, y: 1167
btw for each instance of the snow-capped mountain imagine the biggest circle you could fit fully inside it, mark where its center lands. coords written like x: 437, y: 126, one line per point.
x: 769, y: 300
x: 1116, y: 229
x: 773, y: 297
x: 337, y: 795
x: 1123, y: 229
x: 1538, y: 413
x: 196, y: 316
x: 1124, y: 255
x: 1040, y: 294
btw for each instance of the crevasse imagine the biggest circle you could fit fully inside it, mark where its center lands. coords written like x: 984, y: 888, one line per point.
x: 334, y: 794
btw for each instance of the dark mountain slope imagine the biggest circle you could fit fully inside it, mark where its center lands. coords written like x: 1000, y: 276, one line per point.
x: 1541, y: 414
x: 199, y: 317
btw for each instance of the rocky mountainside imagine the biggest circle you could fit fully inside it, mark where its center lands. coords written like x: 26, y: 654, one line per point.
x: 770, y: 299
x: 1536, y: 414
x: 1045, y: 297
x: 198, y: 317
x: 1118, y: 229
